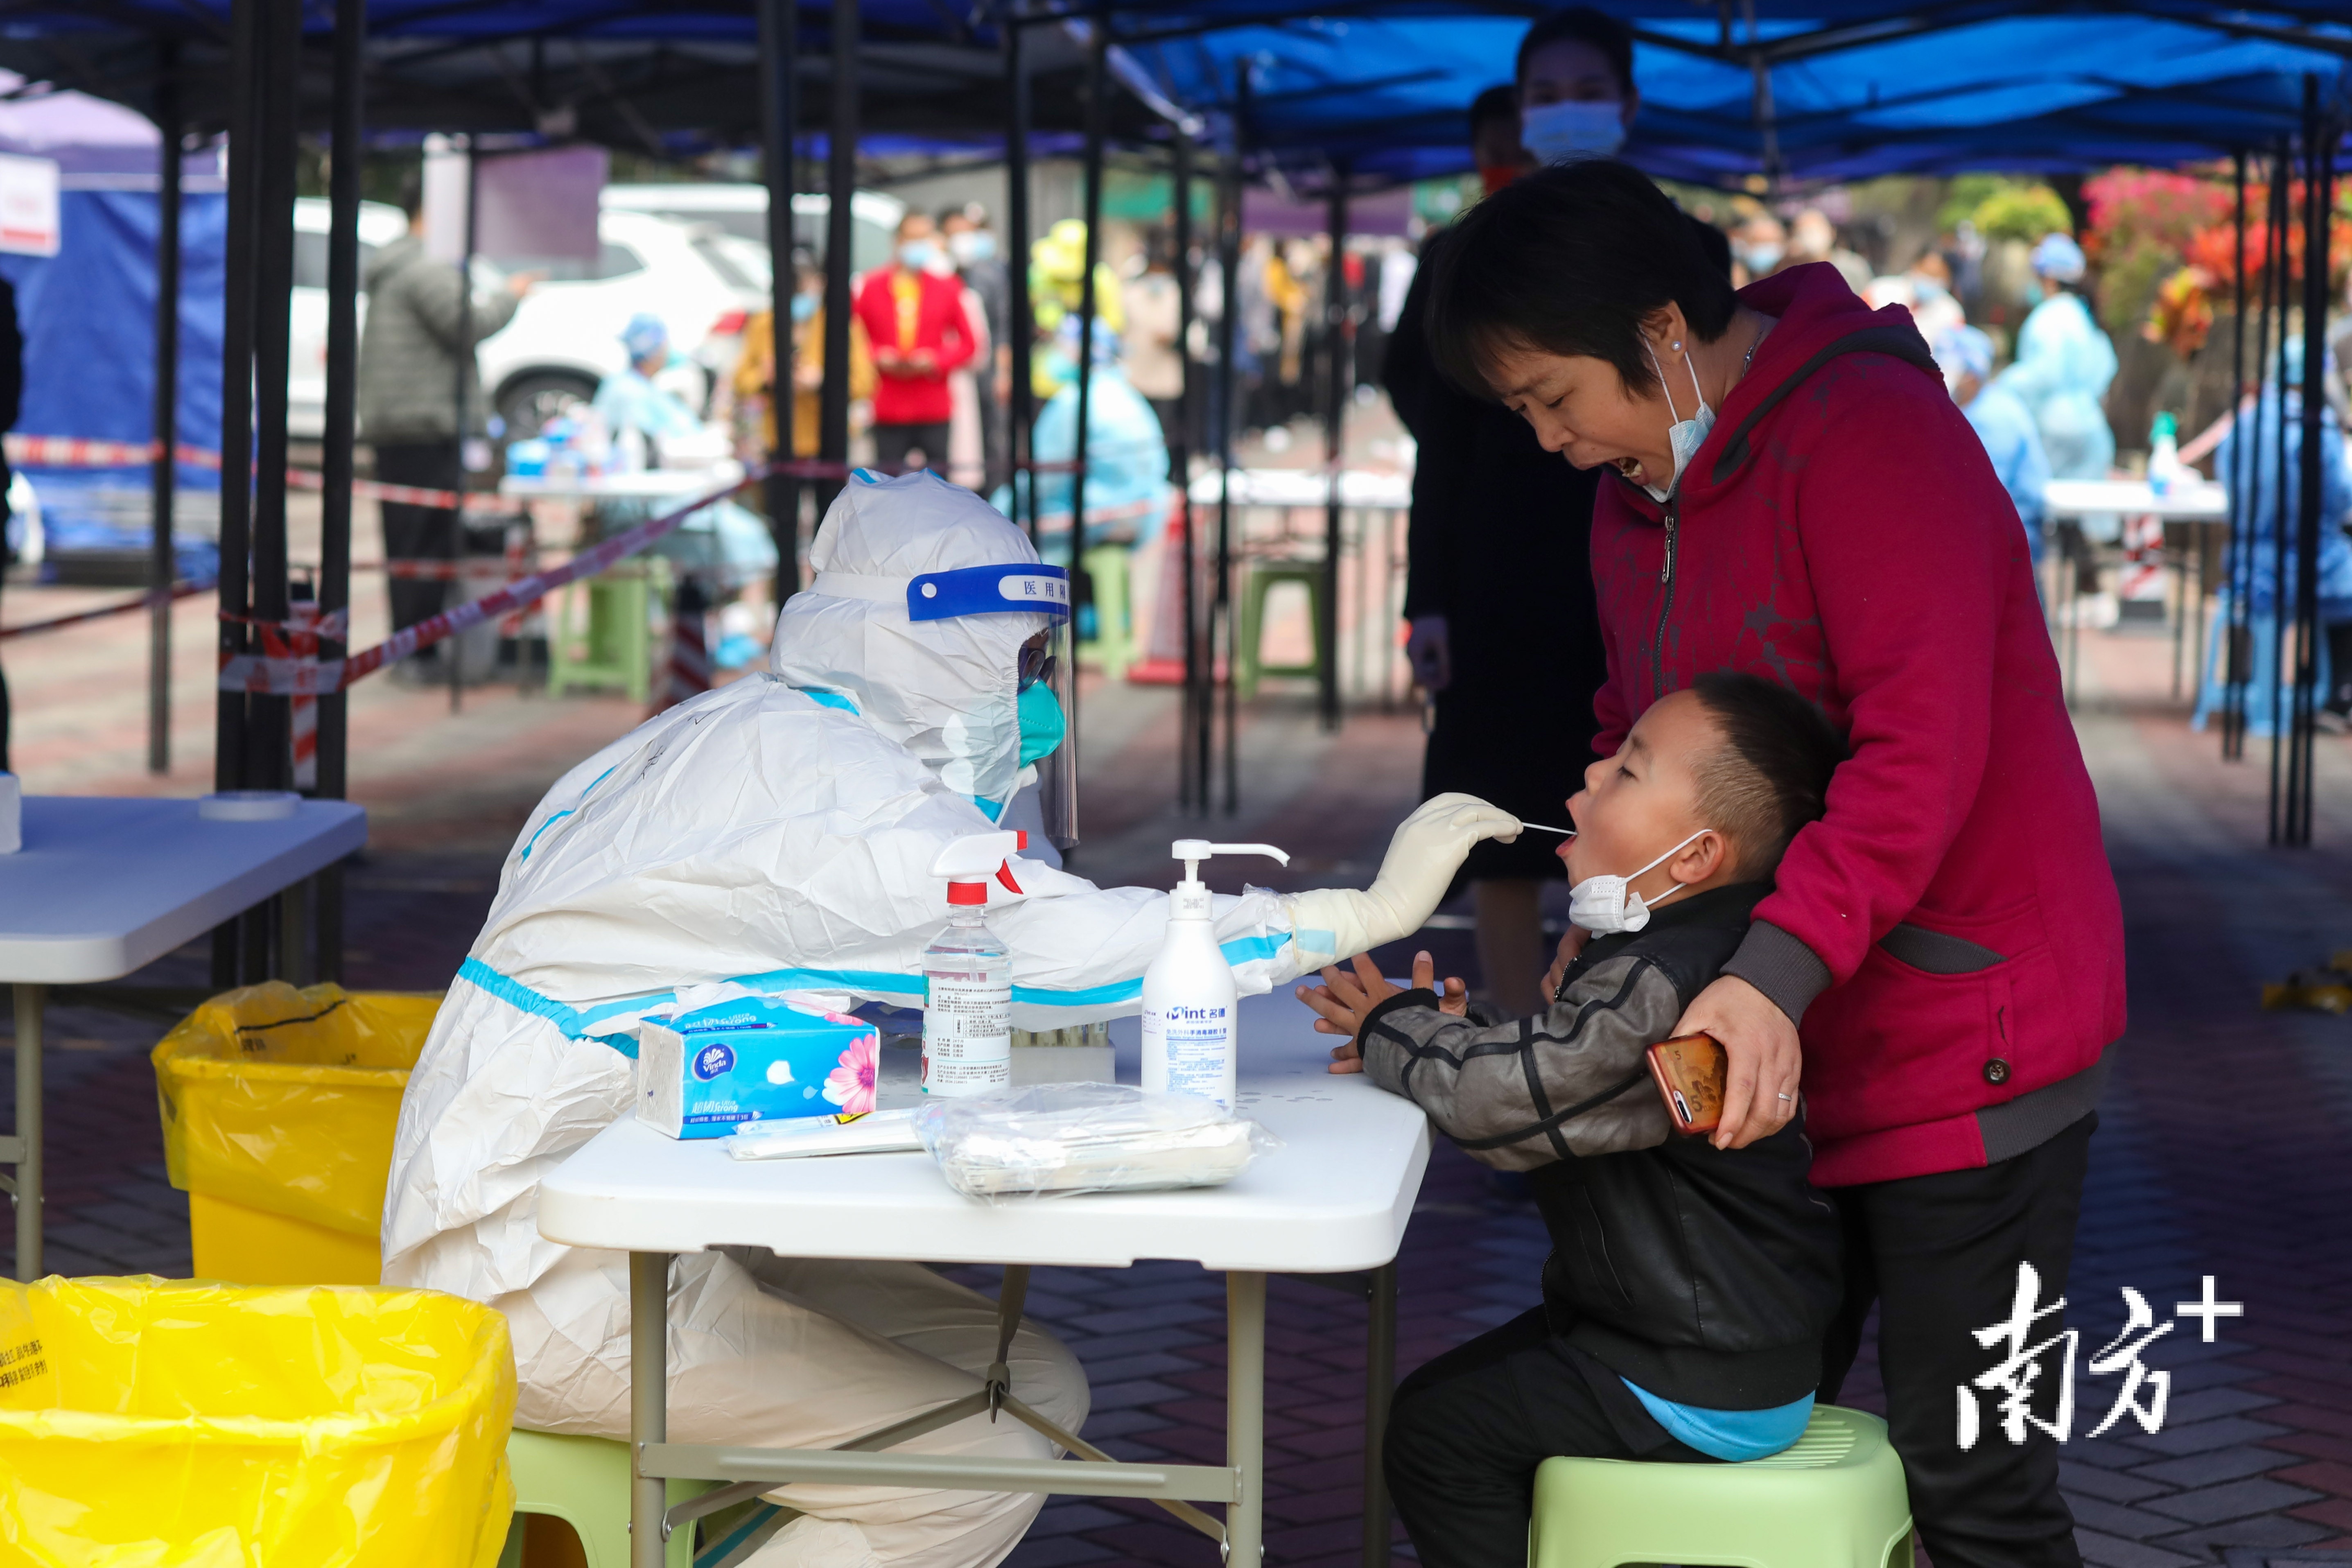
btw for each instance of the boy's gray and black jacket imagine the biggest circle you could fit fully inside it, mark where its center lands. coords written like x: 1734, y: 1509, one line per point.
x: 1706, y: 1275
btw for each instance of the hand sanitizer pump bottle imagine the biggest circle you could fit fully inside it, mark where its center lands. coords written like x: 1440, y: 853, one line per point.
x: 1189, y: 996
x: 968, y: 975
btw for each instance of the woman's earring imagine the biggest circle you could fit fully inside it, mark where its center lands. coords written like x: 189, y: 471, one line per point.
x: 1678, y: 345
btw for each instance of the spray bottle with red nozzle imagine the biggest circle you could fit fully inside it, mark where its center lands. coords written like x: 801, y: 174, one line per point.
x: 968, y: 973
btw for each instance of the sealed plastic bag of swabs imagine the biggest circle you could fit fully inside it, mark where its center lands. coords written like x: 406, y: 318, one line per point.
x: 1063, y: 1138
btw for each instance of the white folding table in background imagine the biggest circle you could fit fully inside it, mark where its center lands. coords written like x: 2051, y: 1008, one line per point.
x: 106, y: 884
x: 1334, y: 1199
x: 2198, y: 502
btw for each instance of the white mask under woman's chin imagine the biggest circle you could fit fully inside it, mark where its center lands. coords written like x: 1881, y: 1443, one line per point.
x: 1683, y: 437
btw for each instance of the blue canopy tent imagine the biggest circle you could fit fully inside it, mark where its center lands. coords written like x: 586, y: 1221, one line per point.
x: 1372, y: 90
x: 1383, y: 94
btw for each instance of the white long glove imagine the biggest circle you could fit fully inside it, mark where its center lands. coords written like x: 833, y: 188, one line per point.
x: 1331, y: 923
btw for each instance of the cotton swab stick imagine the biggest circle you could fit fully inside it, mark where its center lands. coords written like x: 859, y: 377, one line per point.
x: 1544, y: 828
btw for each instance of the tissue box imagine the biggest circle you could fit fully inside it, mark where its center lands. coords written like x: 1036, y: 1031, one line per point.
x: 706, y: 1072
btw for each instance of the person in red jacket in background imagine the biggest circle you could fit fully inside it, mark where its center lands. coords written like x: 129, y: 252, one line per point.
x: 1789, y: 492
x: 915, y: 320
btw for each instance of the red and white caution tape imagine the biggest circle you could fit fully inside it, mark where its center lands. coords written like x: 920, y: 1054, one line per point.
x: 285, y: 675
x: 74, y: 452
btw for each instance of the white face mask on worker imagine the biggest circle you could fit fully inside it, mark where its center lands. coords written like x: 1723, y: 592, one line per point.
x: 1605, y: 905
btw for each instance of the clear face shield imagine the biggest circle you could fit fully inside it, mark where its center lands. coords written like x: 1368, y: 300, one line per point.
x: 1058, y: 770
x: 1047, y: 669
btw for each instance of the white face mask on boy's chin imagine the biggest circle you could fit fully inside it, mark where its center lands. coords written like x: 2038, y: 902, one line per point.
x: 1605, y: 905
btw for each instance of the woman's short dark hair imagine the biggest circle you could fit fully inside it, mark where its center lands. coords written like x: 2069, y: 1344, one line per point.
x: 1568, y: 260
x: 1583, y: 24
x: 1771, y: 775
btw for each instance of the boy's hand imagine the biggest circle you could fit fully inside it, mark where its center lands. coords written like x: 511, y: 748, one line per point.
x: 1344, y: 998
x: 1571, y: 945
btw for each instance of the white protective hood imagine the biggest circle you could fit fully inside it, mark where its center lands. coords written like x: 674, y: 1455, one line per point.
x: 781, y: 829
x: 947, y: 689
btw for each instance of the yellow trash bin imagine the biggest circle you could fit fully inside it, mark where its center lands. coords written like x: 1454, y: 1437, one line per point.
x: 145, y: 1421
x: 279, y: 1107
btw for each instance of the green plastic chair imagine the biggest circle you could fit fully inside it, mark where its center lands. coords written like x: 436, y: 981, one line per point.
x: 1112, y: 647
x: 600, y: 633
x: 584, y: 1481
x: 1260, y: 580
x: 1834, y: 1498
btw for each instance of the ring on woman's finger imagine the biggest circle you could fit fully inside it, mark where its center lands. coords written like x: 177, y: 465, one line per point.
x: 1785, y: 1097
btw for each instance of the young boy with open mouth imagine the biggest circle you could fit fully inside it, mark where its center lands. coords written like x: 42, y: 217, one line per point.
x: 1688, y: 1286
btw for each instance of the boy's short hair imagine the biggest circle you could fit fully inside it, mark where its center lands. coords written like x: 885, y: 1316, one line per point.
x: 1771, y: 774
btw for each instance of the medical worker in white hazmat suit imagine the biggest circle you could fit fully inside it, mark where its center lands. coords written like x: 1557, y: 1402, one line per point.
x: 781, y: 831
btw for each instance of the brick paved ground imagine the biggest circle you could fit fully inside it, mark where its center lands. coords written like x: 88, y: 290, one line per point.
x: 2221, y: 1148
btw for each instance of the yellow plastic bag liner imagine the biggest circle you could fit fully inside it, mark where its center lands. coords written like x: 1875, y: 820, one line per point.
x: 146, y: 1422
x: 280, y: 1103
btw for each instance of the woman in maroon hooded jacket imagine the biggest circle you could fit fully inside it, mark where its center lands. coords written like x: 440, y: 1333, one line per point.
x: 1942, y: 958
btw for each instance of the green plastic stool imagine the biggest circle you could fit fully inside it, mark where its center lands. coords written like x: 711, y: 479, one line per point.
x: 1112, y: 647
x: 603, y: 636
x: 1834, y: 1498
x: 1259, y: 580
x: 584, y: 1481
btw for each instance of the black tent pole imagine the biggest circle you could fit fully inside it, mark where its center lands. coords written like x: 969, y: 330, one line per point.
x: 268, y: 732
x: 1336, y: 335
x: 236, y: 431
x: 162, y: 566
x: 1180, y: 474
x: 1228, y: 247
x: 779, y: 118
x: 341, y: 429
x: 840, y: 184
x: 2283, y: 221
x: 1089, y: 306
x: 2232, y: 693
x: 2317, y: 161
x: 1022, y: 405
x: 466, y: 365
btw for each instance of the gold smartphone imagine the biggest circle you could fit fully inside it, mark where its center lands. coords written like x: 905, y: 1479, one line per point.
x: 1691, y: 1071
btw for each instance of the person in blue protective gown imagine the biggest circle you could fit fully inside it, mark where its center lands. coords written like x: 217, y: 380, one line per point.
x: 2064, y: 365
x: 779, y: 832
x: 1128, y: 492
x: 2001, y: 422
x: 2263, y: 583
x: 724, y: 543
x: 629, y: 399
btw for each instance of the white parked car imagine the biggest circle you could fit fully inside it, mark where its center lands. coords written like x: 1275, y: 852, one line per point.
x: 566, y: 336
x: 741, y: 210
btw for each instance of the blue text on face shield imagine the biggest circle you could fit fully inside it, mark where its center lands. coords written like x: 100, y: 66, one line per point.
x: 1042, y: 724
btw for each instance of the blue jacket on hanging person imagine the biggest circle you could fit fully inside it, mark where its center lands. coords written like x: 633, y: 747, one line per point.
x: 2257, y: 576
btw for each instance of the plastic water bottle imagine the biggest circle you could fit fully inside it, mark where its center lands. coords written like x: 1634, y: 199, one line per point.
x: 968, y: 978
x: 2164, y: 464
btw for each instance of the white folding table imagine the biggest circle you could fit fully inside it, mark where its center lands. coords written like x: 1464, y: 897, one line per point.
x: 1334, y: 1199
x: 104, y: 885
x: 2196, y: 501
